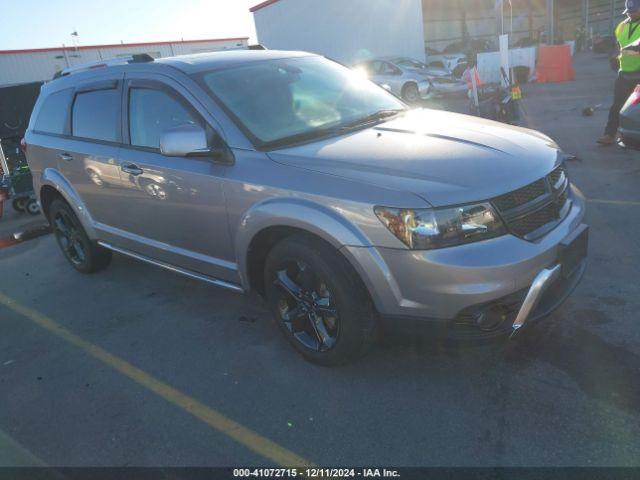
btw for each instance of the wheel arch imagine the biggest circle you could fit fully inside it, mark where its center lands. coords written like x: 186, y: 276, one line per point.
x: 54, y: 185
x: 268, y: 223
x: 407, y: 84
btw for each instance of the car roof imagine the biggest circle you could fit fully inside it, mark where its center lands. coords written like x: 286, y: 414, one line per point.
x: 186, y: 63
x: 217, y: 60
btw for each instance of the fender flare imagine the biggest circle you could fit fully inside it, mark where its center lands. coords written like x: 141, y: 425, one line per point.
x: 53, y: 178
x: 312, y: 217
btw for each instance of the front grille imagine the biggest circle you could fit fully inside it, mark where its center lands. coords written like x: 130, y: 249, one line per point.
x: 557, y: 177
x: 521, y: 196
x: 535, y: 220
x: 535, y: 209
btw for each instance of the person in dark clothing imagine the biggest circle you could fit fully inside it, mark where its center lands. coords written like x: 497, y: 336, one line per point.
x: 627, y: 33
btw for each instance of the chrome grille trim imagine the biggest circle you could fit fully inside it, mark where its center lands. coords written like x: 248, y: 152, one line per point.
x: 535, y: 209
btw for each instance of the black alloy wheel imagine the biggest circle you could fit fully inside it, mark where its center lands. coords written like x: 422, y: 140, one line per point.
x: 83, y: 254
x: 306, y: 308
x: 318, y: 301
x: 68, y: 236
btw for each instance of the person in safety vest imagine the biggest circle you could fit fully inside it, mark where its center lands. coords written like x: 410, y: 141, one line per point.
x: 627, y: 34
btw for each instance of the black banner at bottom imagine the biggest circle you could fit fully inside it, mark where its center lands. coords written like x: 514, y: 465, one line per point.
x: 404, y: 473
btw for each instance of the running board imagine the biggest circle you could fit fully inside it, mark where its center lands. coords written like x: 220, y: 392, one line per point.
x: 173, y: 268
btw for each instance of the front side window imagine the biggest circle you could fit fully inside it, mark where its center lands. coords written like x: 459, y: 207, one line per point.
x: 278, y: 102
x: 96, y: 115
x: 53, y: 114
x: 151, y: 112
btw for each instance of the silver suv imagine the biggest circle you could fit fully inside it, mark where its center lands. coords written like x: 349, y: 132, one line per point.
x: 287, y: 174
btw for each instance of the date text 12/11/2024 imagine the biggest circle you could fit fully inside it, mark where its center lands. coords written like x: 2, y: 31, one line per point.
x: 315, y: 473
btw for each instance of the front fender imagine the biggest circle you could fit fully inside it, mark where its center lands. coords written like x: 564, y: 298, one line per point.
x: 55, y: 179
x: 306, y: 215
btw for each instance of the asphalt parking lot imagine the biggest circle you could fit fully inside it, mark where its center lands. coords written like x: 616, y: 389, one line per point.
x: 139, y: 366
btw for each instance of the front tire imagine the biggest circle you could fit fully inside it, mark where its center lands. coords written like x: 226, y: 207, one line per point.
x: 83, y: 254
x: 318, y: 301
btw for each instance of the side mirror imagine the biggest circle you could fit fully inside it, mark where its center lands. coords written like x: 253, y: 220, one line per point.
x: 190, y: 140
x: 184, y: 141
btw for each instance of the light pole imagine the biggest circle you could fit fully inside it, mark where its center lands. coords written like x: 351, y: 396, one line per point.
x: 550, y: 22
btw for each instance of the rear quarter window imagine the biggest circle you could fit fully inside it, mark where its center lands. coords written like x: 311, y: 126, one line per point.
x: 52, y: 116
x: 96, y: 115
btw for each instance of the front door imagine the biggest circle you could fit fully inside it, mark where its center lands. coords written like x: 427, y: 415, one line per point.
x: 174, y: 208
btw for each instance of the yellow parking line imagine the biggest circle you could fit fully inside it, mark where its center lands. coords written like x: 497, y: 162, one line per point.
x: 12, y: 454
x: 241, y: 434
x: 613, y: 202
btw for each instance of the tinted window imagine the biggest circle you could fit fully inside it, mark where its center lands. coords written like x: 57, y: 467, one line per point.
x: 95, y: 115
x: 53, y: 114
x: 151, y: 112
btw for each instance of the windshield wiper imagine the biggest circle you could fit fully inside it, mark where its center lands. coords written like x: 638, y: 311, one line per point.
x: 374, y: 117
x: 338, y: 129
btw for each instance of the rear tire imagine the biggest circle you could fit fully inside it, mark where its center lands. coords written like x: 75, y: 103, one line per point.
x: 33, y: 207
x: 330, y: 320
x: 410, y: 93
x: 83, y: 254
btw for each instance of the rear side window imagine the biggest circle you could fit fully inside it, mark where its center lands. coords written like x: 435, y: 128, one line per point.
x: 96, y: 116
x: 53, y: 113
x: 151, y: 112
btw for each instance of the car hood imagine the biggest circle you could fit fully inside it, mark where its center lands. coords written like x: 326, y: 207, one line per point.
x: 443, y: 157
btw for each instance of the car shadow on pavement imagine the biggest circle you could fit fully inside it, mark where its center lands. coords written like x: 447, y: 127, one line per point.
x: 604, y: 371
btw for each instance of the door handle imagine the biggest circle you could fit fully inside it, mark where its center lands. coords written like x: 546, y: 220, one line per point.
x: 65, y: 156
x: 131, y: 169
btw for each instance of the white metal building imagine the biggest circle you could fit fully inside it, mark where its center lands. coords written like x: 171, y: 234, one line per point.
x: 23, y: 66
x: 362, y: 28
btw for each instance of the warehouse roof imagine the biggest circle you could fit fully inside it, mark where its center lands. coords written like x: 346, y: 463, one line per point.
x: 115, y: 45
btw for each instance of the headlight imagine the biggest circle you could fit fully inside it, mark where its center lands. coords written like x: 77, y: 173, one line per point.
x: 424, y: 229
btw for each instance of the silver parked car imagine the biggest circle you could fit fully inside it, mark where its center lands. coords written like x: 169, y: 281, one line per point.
x: 289, y: 175
x: 406, y: 84
x: 442, y: 80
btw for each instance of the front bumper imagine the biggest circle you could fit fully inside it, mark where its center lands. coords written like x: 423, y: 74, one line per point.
x: 444, y: 285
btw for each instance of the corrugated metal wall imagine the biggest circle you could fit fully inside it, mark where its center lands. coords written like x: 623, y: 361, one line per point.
x: 347, y: 31
x: 444, y: 18
x: 32, y: 66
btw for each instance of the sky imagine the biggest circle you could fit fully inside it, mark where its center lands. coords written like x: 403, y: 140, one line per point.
x: 49, y: 23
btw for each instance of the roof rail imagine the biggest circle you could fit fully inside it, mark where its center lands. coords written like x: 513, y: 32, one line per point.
x: 136, y: 58
x: 256, y: 46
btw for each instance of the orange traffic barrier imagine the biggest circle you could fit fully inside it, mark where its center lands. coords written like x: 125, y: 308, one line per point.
x: 554, y: 64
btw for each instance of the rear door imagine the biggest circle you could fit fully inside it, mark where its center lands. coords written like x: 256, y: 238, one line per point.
x: 89, y: 160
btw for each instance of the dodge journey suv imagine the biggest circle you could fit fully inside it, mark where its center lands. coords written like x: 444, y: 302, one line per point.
x: 287, y: 174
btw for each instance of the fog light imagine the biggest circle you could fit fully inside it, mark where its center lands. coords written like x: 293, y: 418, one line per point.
x: 491, y: 318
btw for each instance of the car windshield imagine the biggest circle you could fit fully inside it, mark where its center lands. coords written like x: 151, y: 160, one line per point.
x: 286, y: 101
